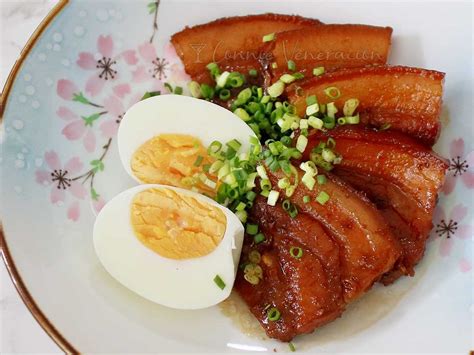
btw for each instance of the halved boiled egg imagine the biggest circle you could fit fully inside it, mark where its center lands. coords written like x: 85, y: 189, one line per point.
x: 165, y: 140
x: 172, y: 246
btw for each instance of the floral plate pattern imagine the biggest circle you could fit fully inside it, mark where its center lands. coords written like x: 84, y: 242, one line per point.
x: 59, y: 166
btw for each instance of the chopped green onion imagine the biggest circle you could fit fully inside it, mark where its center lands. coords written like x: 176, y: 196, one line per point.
x: 274, y: 65
x: 214, y: 147
x: 244, y: 116
x: 207, y: 92
x: 216, y: 166
x: 258, y: 238
x: 306, y: 199
x: 198, y: 160
x: 222, y: 79
x: 235, y: 79
x: 291, y: 346
x: 353, y: 119
x: 269, y: 37
x: 291, y: 65
x: 315, y: 122
x: 312, y: 109
x: 332, y: 92
x: 301, y: 143
x: 273, y: 314
x: 298, y: 76
x: 262, y: 172
x: 350, y: 106
x: 253, y: 273
x: 385, y: 126
x: 219, y: 282
x: 241, y: 206
x: 322, y: 198
x: 195, y: 89
x: 328, y: 155
x: 224, y: 94
x: 331, y: 110
x: 212, y: 66
x: 234, y: 144
x: 286, y: 204
x: 341, y: 121
x: 308, y: 180
x: 251, y: 195
x: 296, y: 252
x: 287, y: 78
x: 265, y: 184
x: 178, y: 90
x: 304, y: 124
x: 283, y: 183
x: 242, y: 216
x: 273, y: 197
x: 251, y: 229
x: 318, y: 71
x: 293, y: 211
x: 254, y: 257
x: 329, y: 122
x: 253, y: 72
x: 276, y: 89
x: 331, y: 143
x: 310, y: 100
x: 321, y: 179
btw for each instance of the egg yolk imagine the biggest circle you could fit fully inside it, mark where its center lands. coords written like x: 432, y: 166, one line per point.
x: 173, y: 159
x: 176, y: 226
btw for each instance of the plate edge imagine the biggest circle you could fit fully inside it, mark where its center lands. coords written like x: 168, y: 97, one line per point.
x: 20, y: 286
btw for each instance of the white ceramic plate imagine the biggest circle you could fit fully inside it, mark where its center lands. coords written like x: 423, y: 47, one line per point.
x: 47, y: 232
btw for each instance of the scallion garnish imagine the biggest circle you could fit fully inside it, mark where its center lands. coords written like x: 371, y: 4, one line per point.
x: 269, y: 37
x: 224, y: 94
x: 273, y: 197
x: 385, y: 126
x: 258, y: 238
x: 296, y: 252
x: 207, y: 92
x: 287, y: 78
x: 198, y: 160
x: 318, y: 71
x: 150, y: 94
x: 353, y: 119
x: 178, y: 90
x: 251, y: 229
x: 254, y: 256
x: 219, y: 282
x: 291, y: 346
x: 273, y: 314
x: 322, y: 198
x: 234, y: 144
x: 301, y: 143
x: 253, y: 72
x: 195, y: 89
x: 332, y: 92
x: 276, y: 89
x: 321, y: 179
x: 310, y: 100
x: 214, y: 147
x: 306, y: 199
x: 350, y: 106
x: 291, y: 65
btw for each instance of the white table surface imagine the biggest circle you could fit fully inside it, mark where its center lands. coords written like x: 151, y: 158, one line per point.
x: 20, y: 333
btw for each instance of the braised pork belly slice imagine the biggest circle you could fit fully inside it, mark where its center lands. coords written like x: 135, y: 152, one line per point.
x: 407, y: 99
x: 401, y: 176
x: 232, y: 42
x: 331, y: 46
x: 307, y: 291
x: 367, y: 247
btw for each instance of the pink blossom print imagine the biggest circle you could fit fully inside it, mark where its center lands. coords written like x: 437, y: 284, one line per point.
x: 450, y: 226
x: 60, y: 178
x: 461, y: 167
x: 105, y: 68
x: 116, y: 109
x: 79, y: 128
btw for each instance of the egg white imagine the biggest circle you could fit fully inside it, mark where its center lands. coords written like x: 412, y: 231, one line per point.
x: 181, y: 284
x: 177, y: 114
